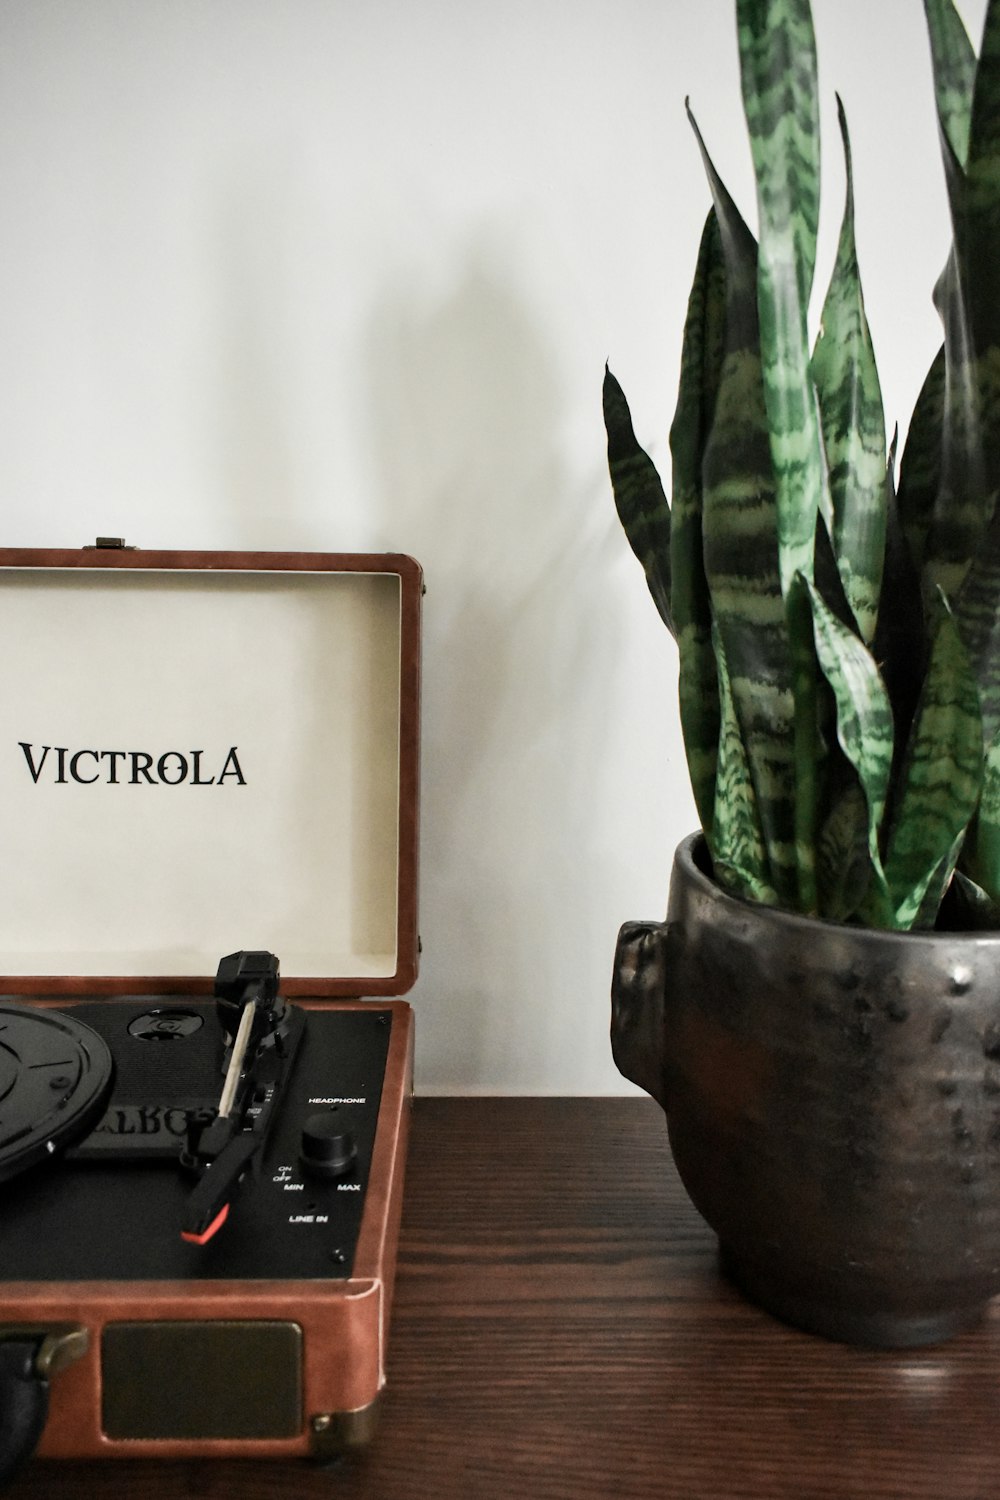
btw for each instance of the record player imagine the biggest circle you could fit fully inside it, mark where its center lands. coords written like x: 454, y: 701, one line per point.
x: 208, y: 797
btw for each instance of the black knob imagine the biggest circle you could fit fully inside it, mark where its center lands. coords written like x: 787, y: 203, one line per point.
x: 327, y: 1149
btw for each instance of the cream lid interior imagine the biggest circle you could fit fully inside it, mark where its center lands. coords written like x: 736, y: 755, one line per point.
x: 221, y: 771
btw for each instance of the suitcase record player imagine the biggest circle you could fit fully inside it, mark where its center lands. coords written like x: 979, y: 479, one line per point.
x: 202, y: 1142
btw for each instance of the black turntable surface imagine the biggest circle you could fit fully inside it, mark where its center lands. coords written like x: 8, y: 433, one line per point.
x: 95, y: 1108
x: 55, y: 1077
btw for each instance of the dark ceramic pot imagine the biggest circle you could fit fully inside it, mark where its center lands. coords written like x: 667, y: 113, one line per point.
x: 833, y: 1104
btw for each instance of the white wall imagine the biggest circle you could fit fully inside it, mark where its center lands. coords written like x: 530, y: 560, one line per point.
x: 331, y: 275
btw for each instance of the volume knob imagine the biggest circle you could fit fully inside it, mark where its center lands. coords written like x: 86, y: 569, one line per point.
x: 327, y: 1150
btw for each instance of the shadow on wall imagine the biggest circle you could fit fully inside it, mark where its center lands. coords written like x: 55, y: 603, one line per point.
x: 468, y: 411
x: 255, y: 317
x: 460, y: 424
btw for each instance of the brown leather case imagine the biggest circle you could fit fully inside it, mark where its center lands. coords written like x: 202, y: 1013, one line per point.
x: 343, y: 1324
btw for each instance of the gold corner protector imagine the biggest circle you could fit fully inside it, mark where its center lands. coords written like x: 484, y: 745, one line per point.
x: 334, y: 1434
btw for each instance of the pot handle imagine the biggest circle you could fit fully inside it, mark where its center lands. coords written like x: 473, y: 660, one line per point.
x: 637, y: 1003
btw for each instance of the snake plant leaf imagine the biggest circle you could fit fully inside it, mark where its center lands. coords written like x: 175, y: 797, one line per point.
x: 920, y: 466
x: 826, y: 577
x: 941, y: 777
x: 940, y: 881
x: 808, y: 743
x: 977, y: 234
x: 969, y: 908
x: 900, y: 632
x: 639, y: 498
x: 954, y: 62
x: 701, y: 362
x: 843, y: 862
x: 778, y: 73
x: 843, y: 867
x: 980, y: 160
x: 962, y: 552
x: 864, y: 714
x: 740, y: 323
x: 962, y: 503
x: 981, y: 855
x: 853, y: 424
x: 739, y: 858
x: 740, y: 551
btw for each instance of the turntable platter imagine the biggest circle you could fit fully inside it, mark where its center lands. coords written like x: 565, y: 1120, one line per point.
x: 55, y: 1075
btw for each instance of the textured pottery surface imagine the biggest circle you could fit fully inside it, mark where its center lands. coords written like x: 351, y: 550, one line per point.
x: 833, y: 1104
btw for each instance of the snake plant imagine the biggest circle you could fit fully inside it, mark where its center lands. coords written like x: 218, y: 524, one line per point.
x: 838, y: 632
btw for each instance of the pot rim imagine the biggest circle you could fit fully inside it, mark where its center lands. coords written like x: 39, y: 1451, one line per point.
x: 691, y: 857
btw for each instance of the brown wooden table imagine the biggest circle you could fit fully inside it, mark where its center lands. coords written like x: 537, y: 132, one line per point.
x: 561, y: 1332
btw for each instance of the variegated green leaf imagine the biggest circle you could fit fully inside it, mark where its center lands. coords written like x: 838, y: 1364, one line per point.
x: 981, y: 855
x: 778, y: 72
x: 739, y: 858
x: 920, y: 468
x: 981, y: 158
x: 941, y: 776
x: 809, y: 713
x: 850, y: 401
x: 954, y: 73
x: 641, y: 503
x: 864, y: 715
x: 843, y: 861
x: 962, y: 503
x: 701, y: 360
x: 969, y: 908
x: 937, y: 885
x: 977, y: 235
x: 900, y: 632
x: 740, y: 550
x: 962, y: 554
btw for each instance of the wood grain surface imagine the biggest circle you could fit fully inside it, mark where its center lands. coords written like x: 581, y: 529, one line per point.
x: 561, y: 1332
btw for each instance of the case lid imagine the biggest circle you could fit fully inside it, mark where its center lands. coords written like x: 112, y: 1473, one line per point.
x: 202, y: 752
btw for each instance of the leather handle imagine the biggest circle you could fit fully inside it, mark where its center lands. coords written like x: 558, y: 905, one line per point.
x: 24, y: 1403
x: 637, y: 1002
